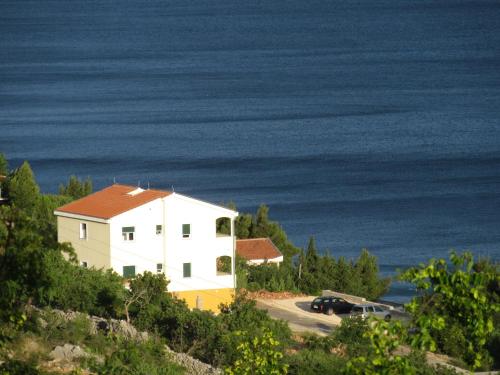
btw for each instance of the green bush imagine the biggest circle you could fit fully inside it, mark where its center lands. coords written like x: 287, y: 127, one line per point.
x: 352, y: 335
x: 312, y: 362
x: 134, y: 358
x: 15, y: 367
x: 72, y: 287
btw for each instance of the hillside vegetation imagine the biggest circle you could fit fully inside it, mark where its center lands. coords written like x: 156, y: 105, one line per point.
x: 457, y: 312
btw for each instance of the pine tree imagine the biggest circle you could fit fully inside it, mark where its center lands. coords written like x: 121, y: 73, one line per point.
x: 23, y: 190
x: 4, y: 165
x: 311, y: 258
x: 76, y: 188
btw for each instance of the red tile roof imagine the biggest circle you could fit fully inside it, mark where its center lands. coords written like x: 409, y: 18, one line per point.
x: 111, y: 201
x: 257, y: 248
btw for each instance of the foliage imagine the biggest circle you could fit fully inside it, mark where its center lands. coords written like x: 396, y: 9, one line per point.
x: 4, y: 165
x: 135, y: 358
x: 45, y: 219
x: 384, y: 338
x: 77, y: 288
x: 22, y: 189
x: 258, y: 355
x: 76, y: 188
x: 456, y: 297
x: 259, y: 225
x: 352, y: 336
x: 22, y: 273
x: 145, y: 290
x: 271, y: 277
x: 312, y: 362
x: 16, y: 367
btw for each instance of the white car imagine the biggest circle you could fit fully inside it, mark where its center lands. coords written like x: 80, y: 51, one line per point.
x: 365, y: 310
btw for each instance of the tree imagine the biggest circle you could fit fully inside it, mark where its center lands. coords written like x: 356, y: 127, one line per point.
x: 4, y: 165
x: 242, y: 226
x: 76, y: 188
x: 144, y: 290
x: 23, y: 190
x: 22, y: 275
x: 311, y: 258
x: 454, y: 296
x: 367, y: 270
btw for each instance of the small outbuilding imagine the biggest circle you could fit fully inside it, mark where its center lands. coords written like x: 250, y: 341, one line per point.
x: 258, y: 250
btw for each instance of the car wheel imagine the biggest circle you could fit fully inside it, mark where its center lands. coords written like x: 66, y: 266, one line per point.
x: 329, y: 311
x: 387, y: 318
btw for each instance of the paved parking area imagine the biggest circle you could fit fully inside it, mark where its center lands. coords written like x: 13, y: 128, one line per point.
x: 300, y: 318
x: 299, y: 315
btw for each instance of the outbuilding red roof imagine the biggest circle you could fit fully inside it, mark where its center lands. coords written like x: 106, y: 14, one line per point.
x: 112, y: 201
x: 257, y: 248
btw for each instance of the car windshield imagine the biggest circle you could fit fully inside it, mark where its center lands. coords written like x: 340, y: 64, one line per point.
x: 319, y: 299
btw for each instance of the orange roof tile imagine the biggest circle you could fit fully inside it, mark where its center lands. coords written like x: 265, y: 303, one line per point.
x: 111, y: 201
x: 257, y: 248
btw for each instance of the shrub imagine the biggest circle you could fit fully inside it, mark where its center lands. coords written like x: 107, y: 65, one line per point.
x: 312, y: 362
x: 259, y: 355
x: 130, y: 357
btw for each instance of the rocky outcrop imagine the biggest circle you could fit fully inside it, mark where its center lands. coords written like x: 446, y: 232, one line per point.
x: 97, y: 324
x: 67, y: 353
x: 192, y: 365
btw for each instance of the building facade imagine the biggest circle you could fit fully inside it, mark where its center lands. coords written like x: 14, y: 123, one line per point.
x: 132, y: 230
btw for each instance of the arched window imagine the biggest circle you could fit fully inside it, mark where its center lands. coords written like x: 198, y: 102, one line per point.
x: 223, y: 227
x: 223, y: 265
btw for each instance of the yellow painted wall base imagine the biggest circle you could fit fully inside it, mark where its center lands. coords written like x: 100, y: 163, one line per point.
x: 206, y: 299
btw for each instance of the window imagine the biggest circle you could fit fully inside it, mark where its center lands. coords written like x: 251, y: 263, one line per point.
x: 186, y: 230
x: 128, y: 233
x: 223, y: 265
x: 159, y: 267
x: 128, y: 272
x: 83, y: 231
x: 84, y: 264
x: 378, y: 309
x: 158, y: 229
x: 186, y: 270
x: 223, y: 227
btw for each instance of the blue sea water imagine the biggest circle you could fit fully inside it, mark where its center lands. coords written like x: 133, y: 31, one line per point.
x: 364, y: 123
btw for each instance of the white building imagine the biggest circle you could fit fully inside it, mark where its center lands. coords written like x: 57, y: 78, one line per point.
x: 132, y: 230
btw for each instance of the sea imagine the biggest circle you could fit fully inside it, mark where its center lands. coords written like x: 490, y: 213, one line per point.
x: 366, y: 124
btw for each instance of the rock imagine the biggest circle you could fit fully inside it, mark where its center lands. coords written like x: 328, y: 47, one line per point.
x: 122, y: 328
x: 192, y: 365
x: 67, y: 352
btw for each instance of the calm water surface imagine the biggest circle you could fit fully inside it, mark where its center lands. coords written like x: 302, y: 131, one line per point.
x: 366, y: 124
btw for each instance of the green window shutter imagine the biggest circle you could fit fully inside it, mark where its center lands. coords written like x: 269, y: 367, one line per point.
x: 128, y: 229
x: 128, y: 272
x: 186, y: 270
x: 186, y: 230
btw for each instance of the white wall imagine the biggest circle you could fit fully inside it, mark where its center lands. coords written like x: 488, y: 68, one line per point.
x: 201, y: 249
x: 146, y: 250
x: 170, y: 248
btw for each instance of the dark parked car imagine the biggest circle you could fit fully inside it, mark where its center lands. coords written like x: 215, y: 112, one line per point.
x: 329, y: 305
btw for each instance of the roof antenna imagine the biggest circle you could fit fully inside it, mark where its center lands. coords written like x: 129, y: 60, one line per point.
x: 173, y: 190
x: 148, y: 185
